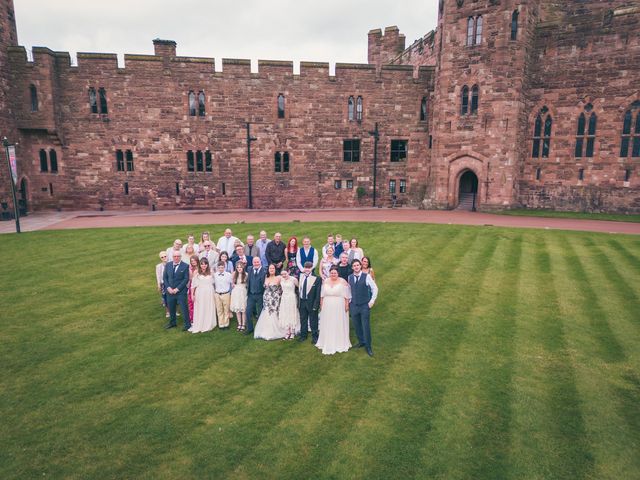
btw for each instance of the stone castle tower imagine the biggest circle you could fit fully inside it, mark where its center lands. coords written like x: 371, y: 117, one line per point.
x: 8, y: 38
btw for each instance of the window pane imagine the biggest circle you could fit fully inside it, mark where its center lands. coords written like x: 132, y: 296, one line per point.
x: 537, y: 129
x: 590, y: 146
x: 349, y: 184
x: 514, y: 25
x: 581, y: 124
x: 93, y: 100
x: 546, y: 143
x: 278, y: 162
x: 201, y: 104
x: 192, y: 104
x: 103, y: 101
x: 626, y: 127
x: 337, y: 184
x: 624, y: 147
x: 403, y: 186
x: 398, y: 150
x: 478, y: 30
x: 636, y: 147
x: 423, y: 109
x: 359, y: 109
x: 547, y: 126
x: 34, y: 98
x: 470, y: 31
x: 351, y: 108
x: 120, y: 160
x: 280, y: 106
x: 392, y: 186
x: 356, y: 151
x: 53, y: 159
x: 129, y: 160
x: 474, y: 100
x: 579, y: 142
x: 592, y: 124
x: 199, y: 162
x: 208, y: 164
x: 536, y: 148
x: 637, y: 129
x: 190, y: 161
x: 465, y: 100
x: 285, y: 162
x: 44, y: 166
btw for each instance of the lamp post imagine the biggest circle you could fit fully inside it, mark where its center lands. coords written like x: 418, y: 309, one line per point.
x: 6, y: 145
x: 376, y: 137
x: 249, y: 140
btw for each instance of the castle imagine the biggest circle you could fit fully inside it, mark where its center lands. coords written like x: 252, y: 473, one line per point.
x: 508, y: 103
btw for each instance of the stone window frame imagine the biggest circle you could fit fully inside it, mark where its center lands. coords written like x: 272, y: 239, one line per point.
x: 33, y: 96
x: 202, y: 109
x: 359, y: 108
x: 402, y: 188
x: 124, y: 160
x: 102, y: 96
x: 93, y: 100
x: 424, y: 109
x: 192, y: 103
x: 630, y: 136
x: 586, y: 133
x: 337, y: 184
x: 351, y: 108
x: 281, y: 106
x: 475, y: 27
x: 542, y: 131
x: 392, y: 186
x: 282, y: 162
x: 53, y: 160
x: 399, y: 150
x: 464, y: 101
x: 44, y: 165
x: 199, y: 161
x: 351, y: 151
x: 514, y: 25
x: 349, y: 185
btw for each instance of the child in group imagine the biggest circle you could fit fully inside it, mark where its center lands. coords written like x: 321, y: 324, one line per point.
x: 160, y: 283
x: 222, y: 282
x: 239, y: 295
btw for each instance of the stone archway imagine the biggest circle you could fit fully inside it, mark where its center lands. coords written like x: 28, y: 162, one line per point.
x: 467, y: 191
x: 466, y: 171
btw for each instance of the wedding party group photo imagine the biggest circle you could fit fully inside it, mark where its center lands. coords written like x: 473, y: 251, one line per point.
x: 275, y: 289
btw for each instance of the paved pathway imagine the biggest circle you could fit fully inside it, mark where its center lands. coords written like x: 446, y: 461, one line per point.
x: 93, y: 219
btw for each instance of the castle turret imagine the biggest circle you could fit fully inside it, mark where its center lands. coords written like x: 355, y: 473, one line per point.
x: 383, y: 48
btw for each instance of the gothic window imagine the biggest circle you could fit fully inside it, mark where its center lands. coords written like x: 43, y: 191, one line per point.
x: 208, y: 163
x: 192, y: 104
x: 119, y: 160
x: 93, y: 100
x: 514, y: 24
x: 470, y: 30
x: 403, y: 186
x: 191, y: 166
x: 53, y: 160
x: 129, y: 157
x: 465, y: 101
x: 398, y: 150
x: 44, y: 166
x: 351, y: 150
x: 474, y: 100
x: 478, y: 30
x: 630, y: 136
x: 359, y: 109
x: 281, y: 106
x: 199, y: 161
x: 350, y: 108
x: 201, y: 108
x: 423, y: 109
x: 34, y: 97
x: 126, y: 188
x: 586, y: 135
x: 542, y: 139
x: 102, y: 93
x: 282, y: 162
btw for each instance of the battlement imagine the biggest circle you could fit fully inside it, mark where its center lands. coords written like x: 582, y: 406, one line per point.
x: 384, y: 47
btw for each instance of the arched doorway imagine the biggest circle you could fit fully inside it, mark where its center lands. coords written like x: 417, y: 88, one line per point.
x: 468, y: 191
x: 22, y: 201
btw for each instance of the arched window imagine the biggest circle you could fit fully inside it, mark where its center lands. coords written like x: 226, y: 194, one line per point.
x: 546, y: 140
x: 630, y: 136
x: 208, y: 163
x: 103, y: 101
x: 423, y: 109
x: 278, y: 162
x: 33, y: 91
x: 580, y: 135
x: 281, y: 106
x: 542, y: 138
x: 359, y: 109
x: 44, y: 166
x: 201, y: 109
x: 351, y: 108
x: 53, y: 160
x: 119, y: 160
x: 470, y: 30
x: 514, y: 24
x: 129, y: 156
x: 586, y: 135
x: 474, y: 100
x: 93, y: 100
x: 199, y: 161
x: 190, y: 161
x: 465, y: 101
x: 479, y: 30
x: 192, y: 104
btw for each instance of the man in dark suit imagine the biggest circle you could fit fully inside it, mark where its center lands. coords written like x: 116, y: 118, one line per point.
x: 255, y: 290
x: 176, y: 278
x: 309, y: 290
x: 364, y: 292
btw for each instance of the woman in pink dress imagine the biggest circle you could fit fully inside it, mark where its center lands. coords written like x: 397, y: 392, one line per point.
x: 194, y: 265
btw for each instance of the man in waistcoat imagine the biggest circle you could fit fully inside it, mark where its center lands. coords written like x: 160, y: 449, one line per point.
x: 306, y: 254
x: 309, y: 290
x: 364, y: 292
x: 255, y: 290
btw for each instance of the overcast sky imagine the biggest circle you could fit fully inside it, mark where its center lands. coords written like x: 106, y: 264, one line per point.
x: 325, y: 30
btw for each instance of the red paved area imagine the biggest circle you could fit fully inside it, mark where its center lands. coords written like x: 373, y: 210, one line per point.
x: 188, y: 217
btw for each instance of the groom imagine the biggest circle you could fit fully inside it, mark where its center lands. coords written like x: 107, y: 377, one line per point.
x: 175, y: 278
x: 309, y: 288
x: 255, y: 290
x: 364, y: 292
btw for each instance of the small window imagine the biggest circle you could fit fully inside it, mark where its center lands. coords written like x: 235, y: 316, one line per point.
x: 199, y: 161
x: 129, y: 156
x: 208, y: 162
x: 349, y: 184
x: 281, y: 162
x: 190, y: 161
x: 119, y: 160
x: 53, y: 160
x: 281, y: 106
x: 630, y: 138
x: 103, y: 101
x: 474, y: 100
x: 514, y: 25
x: 177, y: 188
x: 359, y: 109
x: 479, y: 30
x: 351, y: 109
x: 470, y: 27
x: 546, y: 140
x: 537, y: 134
x: 337, y: 184
x: 44, y: 166
x: 201, y: 109
x: 581, y: 174
x: 430, y: 141
x: 224, y: 188
x: 51, y: 189
x: 423, y: 109
x: 538, y: 172
x: 192, y: 104
x: 33, y: 91
x: 627, y: 175
x: 403, y: 186
x: 93, y: 100
x: 392, y: 187
x: 398, y: 150
x: 465, y: 101
x: 285, y: 162
x: 126, y: 188
x: 278, y: 162
x: 351, y: 150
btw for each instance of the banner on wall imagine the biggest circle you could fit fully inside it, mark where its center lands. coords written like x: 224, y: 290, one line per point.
x: 11, y: 149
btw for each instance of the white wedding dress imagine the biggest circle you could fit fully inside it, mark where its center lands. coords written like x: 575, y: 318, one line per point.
x: 268, y: 326
x: 334, y: 320
x: 289, y: 316
x: 204, y: 308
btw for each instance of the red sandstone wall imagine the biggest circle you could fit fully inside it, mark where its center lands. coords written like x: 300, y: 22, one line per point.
x: 586, y: 53
x: 148, y: 114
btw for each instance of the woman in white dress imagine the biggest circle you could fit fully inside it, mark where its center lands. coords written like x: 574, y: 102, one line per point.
x: 268, y: 326
x: 204, y: 308
x: 355, y: 252
x: 327, y: 262
x: 289, y: 316
x: 239, y: 295
x: 334, y: 315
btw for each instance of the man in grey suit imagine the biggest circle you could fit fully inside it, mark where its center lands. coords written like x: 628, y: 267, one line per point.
x: 176, y: 278
x: 255, y: 289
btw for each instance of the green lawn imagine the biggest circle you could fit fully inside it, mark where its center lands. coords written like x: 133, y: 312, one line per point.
x: 499, y: 354
x: 613, y: 217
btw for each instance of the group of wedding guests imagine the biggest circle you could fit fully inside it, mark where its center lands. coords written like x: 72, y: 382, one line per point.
x: 273, y: 282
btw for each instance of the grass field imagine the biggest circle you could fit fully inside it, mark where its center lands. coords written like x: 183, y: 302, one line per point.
x: 499, y: 354
x: 613, y: 217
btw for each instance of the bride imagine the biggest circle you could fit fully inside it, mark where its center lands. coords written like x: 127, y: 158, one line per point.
x: 334, y: 314
x: 268, y: 326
